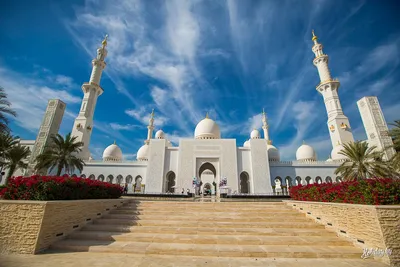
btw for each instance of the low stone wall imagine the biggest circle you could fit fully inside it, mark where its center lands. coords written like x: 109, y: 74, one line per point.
x: 367, y: 226
x: 28, y: 227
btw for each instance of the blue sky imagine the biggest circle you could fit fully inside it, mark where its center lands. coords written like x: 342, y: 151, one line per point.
x: 186, y: 58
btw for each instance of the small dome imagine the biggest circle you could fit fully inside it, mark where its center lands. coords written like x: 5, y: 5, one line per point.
x: 273, y: 153
x: 335, y: 153
x: 112, y: 153
x: 207, y: 129
x: 255, y: 134
x: 329, y: 159
x: 160, y: 134
x: 143, y: 153
x: 246, y: 143
x: 305, y: 153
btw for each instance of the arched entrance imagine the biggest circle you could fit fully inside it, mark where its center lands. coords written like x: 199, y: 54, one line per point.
x: 138, y: 184
x: 244, y: 187
x: 170, y: 181
x: 207, y: 174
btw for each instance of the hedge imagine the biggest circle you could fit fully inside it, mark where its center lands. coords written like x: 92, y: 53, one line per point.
x: 58, y: 188
x: 377, y: 191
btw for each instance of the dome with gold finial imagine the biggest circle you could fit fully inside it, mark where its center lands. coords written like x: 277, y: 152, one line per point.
x: 112, y: 153
x: 104, y: 43
x: 207, y: 129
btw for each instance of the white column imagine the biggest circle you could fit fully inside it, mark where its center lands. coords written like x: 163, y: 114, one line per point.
x: 338, y: 124
x: 83, y: 124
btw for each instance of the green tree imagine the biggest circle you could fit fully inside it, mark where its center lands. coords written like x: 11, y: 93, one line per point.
x: 4, y: 111
x: 7, y: 141
x: 362, y: 162
x: 61, y: 154
x: 395, y: 134
x: 16, y: 158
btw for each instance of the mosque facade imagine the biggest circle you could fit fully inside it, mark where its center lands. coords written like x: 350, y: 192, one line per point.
x: 209, y: 160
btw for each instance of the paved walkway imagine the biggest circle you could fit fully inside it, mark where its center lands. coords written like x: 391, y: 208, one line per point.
x: 87, y: 259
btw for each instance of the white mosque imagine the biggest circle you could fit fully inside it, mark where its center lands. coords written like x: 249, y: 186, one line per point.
x: 208, y: 158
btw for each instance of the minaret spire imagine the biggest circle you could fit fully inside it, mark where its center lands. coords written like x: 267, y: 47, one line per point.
x: 338, y: 123
x: 83, y: 125
x: 150, y: 127
x: 265, y: 125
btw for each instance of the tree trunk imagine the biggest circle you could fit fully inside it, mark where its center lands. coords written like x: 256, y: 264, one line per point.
x: 59, y: 169
x: 10, y: 173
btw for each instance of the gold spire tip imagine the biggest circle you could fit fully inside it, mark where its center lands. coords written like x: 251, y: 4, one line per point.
x: 104, y: 43
x: 152, y: 113
x: 263, y: 112
x: 314, y: 38
x: 115, y: 142
x: 207, y: 115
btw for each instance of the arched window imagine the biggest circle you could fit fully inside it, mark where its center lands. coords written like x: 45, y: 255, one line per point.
x: 119, y: 179
x: 83, y: 176
x: 328, y: 179
x: 101, y: 177
x: 288, y: 180
x: 244, y: 183
x: 128, y: 179
x: 92, y: 177
x: 298, y: 180
x: 309, y: 180
x: 170, y: 182
x: 338, y: 179
x: 110, y: 178
x: 278, y: 181
x: 318, y: 180
x: 138, y: 183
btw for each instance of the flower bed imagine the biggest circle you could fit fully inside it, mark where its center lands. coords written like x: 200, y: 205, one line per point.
x: 58, y: 188
x: 368, y: 191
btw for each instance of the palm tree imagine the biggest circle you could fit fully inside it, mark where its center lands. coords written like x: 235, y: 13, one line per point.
x: 395, y: 134
x: 16, y: 158
x: 7, y: 141
x: 362, y: 162
x: 4, y: 111
x: 61, y: 154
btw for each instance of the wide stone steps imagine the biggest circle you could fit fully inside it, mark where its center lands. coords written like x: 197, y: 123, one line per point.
x: 209, y: 239
x: 219, y: 250
x: 317, y: 231
x: 232, y: 230
x: 213, y: 224
x: 220, y: 218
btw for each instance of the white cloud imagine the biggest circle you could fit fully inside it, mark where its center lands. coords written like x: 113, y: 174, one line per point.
x: 118, y: 127
x: 142, y: 115
x: 29, y: 96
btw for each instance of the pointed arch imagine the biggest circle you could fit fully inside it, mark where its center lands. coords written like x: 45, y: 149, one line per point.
x: 288, y: 180
x: 309, y: 180
x: 170, y: 182
x: 328, y: 179
x: 83, y: 176
x: 92, y: 177
x: 100, y: 177
x: 120, y: 178
x: 207, y: 166
x: 318, y: 180
x: 110, y: 178
x: 138, y: 183
x: 338, y: 179
x: 298, y: 180
x: 244, y: 187
x: 128, y: 179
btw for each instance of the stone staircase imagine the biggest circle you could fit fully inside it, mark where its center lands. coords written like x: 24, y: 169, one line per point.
x: 222, y: 229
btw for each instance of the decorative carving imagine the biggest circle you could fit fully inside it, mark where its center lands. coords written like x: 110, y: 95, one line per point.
x: 89, y: 128
x: 344, y: 126
x: 332, y: 128
x: 78, y: 126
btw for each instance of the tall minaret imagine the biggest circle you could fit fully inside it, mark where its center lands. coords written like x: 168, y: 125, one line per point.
x: 338, y: 123
x: 83, y: 125
x: 265, y: 125
x: 150, y: 127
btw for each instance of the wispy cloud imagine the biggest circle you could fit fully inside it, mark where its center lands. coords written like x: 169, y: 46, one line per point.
x: 29, y: 95
x: 117, y: 126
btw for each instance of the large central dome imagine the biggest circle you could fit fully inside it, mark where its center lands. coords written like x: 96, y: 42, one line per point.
x: 207, y: 129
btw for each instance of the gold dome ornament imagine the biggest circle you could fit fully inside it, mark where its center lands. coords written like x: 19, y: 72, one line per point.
x: 332, y: 128
x: 314, y: 38
x: 104, y: 43
x: 344, y: 126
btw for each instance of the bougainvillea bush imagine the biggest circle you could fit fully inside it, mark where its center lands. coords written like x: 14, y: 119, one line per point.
x: 58, y: 188
x: 367, y: 191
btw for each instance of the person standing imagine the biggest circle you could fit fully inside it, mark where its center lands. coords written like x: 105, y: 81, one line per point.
x: 126, y: 189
